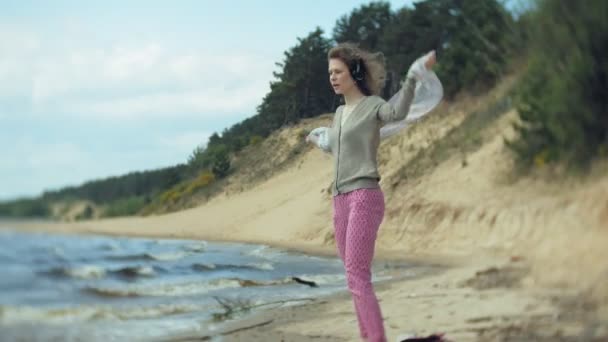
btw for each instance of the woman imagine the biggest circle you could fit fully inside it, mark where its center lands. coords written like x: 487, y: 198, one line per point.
x: 353, y: 139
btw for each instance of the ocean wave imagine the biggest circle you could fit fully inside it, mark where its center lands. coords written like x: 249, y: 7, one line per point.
x: 58, y: 253
x: 179, y: 289
x: 96, y: 272
x: 265, y: 252
x: 109, y: 246
x: 183, y: 289
x: 135, y: 271
x: 196, y: 247
x: 206, y: 267
x: 79, y: 272
x: 167, y: 256
x: 24, y: 314
x: 264, y: 266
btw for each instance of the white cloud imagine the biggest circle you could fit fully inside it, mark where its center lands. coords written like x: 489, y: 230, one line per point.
x: 211, y: 101
x: 34, y: 154
x: 16, y: 62
x: 68, y: 76
x: 186, y: 141
x: 128, y: 82
x: 28, y: 166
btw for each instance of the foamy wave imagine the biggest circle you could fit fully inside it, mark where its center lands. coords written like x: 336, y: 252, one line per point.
x: 80, y: 272
x: 265, y: 252
x: 58, y: 252
x: 183, y: 289
x: 205, y: 267
x: 249, y: 283
x: 109, y: 246
x: 136, y: 271
x: 24, y: 314
x: 96, y: 272
x: 258, y: 251
x: 169, y: 256
x: 196, y: 247
x: 264, y: 266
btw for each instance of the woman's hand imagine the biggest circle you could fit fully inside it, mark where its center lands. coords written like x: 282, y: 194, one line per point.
x: 431, y: 60
x: 311, y: 138
x: 319, y: 136
x: 422, y: 65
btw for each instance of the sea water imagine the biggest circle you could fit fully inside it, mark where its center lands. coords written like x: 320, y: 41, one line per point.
x: 56, y: 287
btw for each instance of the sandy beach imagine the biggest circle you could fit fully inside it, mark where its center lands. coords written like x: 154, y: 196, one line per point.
x: 514, y: 260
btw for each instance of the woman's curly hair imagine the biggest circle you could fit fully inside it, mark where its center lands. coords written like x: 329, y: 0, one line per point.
x: 372, y: 73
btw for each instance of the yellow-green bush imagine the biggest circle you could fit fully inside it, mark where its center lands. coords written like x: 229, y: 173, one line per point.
x: 204, y: 178
x: 170, y: 196
x: 256, y: 139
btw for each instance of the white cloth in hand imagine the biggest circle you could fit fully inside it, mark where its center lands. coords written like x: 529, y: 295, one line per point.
x: 320, y: 137
x: 427, y: 95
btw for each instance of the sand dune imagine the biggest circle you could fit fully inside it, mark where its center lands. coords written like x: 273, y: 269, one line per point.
x: 535, y: 240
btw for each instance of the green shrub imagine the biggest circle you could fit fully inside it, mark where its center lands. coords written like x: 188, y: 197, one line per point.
x: 563, y: 98
x: 121, y: 207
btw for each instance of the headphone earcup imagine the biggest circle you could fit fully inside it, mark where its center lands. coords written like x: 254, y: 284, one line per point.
x: 356, y: 73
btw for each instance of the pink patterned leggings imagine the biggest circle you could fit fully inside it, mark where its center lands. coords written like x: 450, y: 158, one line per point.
x: 357, y: 217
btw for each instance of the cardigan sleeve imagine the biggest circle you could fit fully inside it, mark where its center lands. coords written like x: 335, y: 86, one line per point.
x: 389, y: 113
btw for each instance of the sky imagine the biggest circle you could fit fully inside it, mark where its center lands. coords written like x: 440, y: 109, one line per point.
x: 92, y: 89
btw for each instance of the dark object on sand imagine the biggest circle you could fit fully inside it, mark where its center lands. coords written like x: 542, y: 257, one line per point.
x: 431, y: 338
x: 305, y: 282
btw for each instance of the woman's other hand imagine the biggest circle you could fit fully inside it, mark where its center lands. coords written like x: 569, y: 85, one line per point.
x: 430, y: 60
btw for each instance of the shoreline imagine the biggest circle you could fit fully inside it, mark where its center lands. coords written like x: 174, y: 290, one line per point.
x: 382, y: 255
x: 470, y: 298
x: 242, y: 324
x: 437, y: 302
x: 239, y: 327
